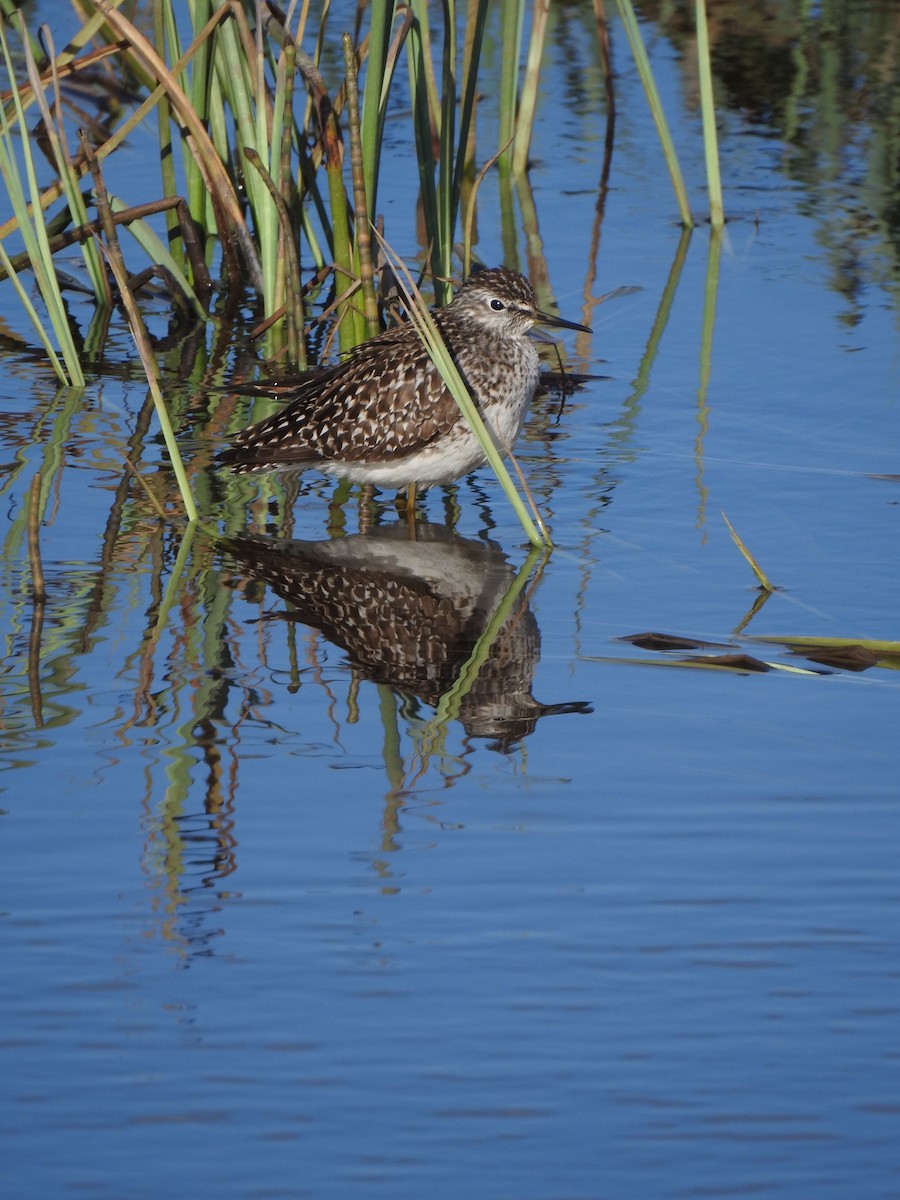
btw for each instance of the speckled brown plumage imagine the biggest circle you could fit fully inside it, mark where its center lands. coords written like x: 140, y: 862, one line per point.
x: 384, y: 416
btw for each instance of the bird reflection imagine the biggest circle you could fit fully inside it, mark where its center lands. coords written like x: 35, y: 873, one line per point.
x: 409, y: 613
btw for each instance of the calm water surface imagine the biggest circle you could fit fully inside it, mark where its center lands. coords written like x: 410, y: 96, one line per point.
x: 286, y: 914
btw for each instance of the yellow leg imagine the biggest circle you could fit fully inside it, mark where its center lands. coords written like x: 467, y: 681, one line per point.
x: 407, y: 504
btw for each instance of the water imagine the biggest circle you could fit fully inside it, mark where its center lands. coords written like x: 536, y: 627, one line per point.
x: 274, y: 925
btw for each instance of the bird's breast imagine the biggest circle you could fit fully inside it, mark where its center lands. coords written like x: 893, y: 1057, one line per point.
x: 504, y: 384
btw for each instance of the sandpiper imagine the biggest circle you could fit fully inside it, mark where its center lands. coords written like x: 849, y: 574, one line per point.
x: 384, y: 416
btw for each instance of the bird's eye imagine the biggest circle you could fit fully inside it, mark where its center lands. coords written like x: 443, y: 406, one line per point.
x: 497, y: 305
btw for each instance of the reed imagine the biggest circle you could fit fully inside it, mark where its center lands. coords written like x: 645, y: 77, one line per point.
x: 708, y: 112
x: 642, y: 62
x: 25, y: 198
x: 247, y: 125
x: 761, y: 577
x: 528, y: 100
x: 113, y: 254
x: 444, y: 144
x: 229, y: 98
x: 54, y: 131
x: 512, y: 17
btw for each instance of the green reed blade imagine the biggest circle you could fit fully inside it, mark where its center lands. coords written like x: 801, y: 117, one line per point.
x: 446, y: 206
x: 708, y: 110
x: 373, y: 107
x: 465, y: 151
x: 243, y: 86
x: 421, y: 11
x: 25, y: 301
x: 68, y: 176
x: 360, y: 199
x: 32, y: 227
x: 291, y: 264
x: 234, y: 234
x: 528, y: 99
x: 416, y: 56
x: 512, y: 17
x: 642, y: 62
x: 206, y: 100
x: 166, y: 31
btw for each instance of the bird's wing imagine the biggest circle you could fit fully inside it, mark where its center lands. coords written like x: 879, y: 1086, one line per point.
x: 364, y: 409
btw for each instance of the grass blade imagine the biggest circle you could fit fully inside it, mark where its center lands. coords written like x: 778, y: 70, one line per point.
x: 636, y: 42
x: 32, y: 227
x: 528, y: 100
x: 708, y: 109
x: 757, y: 570
x: 113, y: 255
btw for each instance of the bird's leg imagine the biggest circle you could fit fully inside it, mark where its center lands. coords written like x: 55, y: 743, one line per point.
x: 411, y: 517
x: 406, y: 504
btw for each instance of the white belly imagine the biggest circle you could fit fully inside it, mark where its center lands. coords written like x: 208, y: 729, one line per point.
x: 456, y: 454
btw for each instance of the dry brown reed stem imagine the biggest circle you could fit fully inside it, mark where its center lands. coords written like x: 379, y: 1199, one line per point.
x: 148, y: 490
x: 202, y: 281
x: 113, y: 250
x: 34, y: 664
x: 112, y: 143
x: 63, y: 70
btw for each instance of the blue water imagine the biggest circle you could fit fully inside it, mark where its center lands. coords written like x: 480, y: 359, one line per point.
x: 271, y: 930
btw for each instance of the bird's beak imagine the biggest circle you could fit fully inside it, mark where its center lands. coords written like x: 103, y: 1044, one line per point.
x: 542, y: 318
